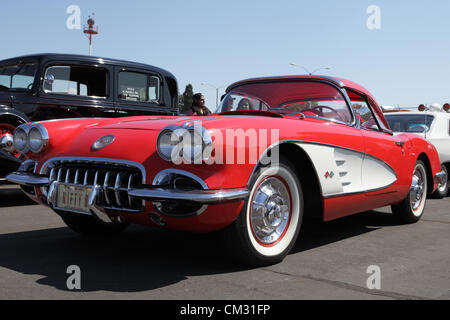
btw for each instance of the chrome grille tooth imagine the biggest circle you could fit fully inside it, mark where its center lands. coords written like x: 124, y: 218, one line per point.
x: 59, y: 175
x: 116, y: 189
x: 105, y: 188
x: 130, y: 178
x: 52, y: 174
x: 96, y: 178
x: 67, y: 176
x: 86, y: 175
x: 77, y: 172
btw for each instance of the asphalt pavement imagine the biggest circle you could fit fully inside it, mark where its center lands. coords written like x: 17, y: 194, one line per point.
x: 329, y: 261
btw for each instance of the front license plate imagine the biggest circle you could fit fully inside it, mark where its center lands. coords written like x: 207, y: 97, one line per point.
x: 73, y: 198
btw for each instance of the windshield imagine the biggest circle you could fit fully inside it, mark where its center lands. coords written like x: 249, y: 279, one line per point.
x: 313, y: 99
x: 415, y: 123
x: 17, y: 76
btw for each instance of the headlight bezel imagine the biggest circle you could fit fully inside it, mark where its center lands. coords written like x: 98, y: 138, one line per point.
x: 28, y: 130
x: 180, y: 131
x: 25, y: 128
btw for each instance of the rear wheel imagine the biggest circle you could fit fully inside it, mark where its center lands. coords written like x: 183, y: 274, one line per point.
x: 442, y: 190
x: 412, y: 207
x: 270, y: 220
x: 91, y: 226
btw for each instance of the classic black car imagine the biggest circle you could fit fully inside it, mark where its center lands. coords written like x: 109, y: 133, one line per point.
x: 56, y: 86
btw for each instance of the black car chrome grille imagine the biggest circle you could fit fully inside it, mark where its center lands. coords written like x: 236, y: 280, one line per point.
x: 114, y: 179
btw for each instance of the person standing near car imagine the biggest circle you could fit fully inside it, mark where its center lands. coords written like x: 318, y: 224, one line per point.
x: 198, y: 106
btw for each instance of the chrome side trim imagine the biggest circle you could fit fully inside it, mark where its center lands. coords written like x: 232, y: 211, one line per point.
x: 358, y: 192
x: 198, y: 196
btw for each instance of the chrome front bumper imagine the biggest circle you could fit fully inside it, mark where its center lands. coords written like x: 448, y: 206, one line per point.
x: 198, y: 196
x: 155, y: 193
x: 28, y: 179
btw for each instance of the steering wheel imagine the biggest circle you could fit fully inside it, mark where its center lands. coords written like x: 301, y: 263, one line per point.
x: 319, y: 111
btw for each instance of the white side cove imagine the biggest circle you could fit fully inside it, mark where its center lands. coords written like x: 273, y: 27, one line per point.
x: 343, y: 171
x: 377, y: 174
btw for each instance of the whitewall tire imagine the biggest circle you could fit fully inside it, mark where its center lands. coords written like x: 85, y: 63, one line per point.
x: 412, y: 207
x: 270, y: 220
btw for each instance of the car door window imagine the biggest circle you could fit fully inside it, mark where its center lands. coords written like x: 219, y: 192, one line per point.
x: 365, y: 115
x: 19, y: 76
x: 135, y: 86
x: 76, y: 80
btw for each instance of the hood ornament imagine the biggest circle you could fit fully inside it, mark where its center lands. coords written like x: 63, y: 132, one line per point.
x: 102, y: 142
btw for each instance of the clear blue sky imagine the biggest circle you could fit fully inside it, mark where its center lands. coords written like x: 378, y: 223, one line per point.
x: 406, y: 62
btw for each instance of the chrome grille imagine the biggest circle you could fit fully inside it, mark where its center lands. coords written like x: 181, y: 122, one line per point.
x: 114, y: 178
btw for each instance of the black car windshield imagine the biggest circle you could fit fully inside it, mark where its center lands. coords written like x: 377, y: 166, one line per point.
x: 416, y: 123
x: 17, y: 76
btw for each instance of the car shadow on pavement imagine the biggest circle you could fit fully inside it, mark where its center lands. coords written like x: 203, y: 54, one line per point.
x: 144, y: 258
x: 13, y: 197
x: 317, y: 233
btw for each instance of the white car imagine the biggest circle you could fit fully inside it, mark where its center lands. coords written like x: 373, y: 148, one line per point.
x: 434, y: 125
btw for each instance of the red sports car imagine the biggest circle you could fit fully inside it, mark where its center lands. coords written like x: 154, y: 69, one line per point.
x: 277, y: 150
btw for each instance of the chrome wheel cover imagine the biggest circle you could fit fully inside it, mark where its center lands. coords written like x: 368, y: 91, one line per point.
x: 270, y: 210
x: 443, y: 187
x: 418, y: 188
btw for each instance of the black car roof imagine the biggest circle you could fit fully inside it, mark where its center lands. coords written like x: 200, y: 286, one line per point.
x: 42, y: 57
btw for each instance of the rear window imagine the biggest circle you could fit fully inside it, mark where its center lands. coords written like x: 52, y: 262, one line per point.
x: 136, y: 86
x: 76, y: 80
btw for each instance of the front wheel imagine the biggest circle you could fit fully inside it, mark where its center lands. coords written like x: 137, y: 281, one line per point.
x: 270, y: 219
x: 412, y: 207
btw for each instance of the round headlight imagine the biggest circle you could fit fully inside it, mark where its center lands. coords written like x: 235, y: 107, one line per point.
x: 193, y: 144
x: 193, y: 149
x: 37, y: 138
x: 21, y: 138
x: 168, y: 144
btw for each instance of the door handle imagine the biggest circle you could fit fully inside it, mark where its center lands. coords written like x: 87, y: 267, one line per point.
x: 400, y: 143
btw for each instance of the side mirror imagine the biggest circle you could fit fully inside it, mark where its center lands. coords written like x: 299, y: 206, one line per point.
x: 49, y: 79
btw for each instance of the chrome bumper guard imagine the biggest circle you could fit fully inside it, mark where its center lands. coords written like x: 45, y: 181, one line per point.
x: 156, y: 194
